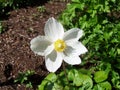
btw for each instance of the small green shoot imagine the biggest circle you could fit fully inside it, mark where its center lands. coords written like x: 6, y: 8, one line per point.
x: 23, y: 78
x: 41, y: 9
x: 1, y: 28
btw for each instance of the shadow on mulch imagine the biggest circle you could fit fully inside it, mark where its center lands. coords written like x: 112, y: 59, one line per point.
x: 27, y: 3
x: 35, y: 79
x: 20, y: 4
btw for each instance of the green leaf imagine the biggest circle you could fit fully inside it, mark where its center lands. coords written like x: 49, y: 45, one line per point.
x: 78, y: 81
x: 82, y: 80
x: 118, y: 50
x: 116, y: 79
x: 48, y: 82
x: 29, y: 85
x: 71, y: 75
x: 42, y: 85
x: 77, y: 1
x: 51, y: 77
x: 106, y: 85
x: 57, y: 87
x: 69, y: 88
x: 85, y: 71
x: 62, y: 78
x: 103, y: 86
x: 87, y: 82
x: 100, y: 76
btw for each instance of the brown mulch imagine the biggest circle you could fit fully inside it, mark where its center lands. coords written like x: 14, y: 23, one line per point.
x: 15, y: 54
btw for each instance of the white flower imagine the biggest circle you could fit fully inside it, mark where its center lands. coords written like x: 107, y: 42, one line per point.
x: 58, y: 45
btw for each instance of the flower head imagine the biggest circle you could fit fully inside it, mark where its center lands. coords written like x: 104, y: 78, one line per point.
x: 58, y: 45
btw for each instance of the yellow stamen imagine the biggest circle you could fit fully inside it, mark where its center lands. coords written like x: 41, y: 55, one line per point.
x: 59, y: 45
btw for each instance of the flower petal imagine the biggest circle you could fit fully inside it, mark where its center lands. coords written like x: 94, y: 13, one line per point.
x: 72, y: 60
x: 53, y: 29
x: 69, y: 51
x: 49, y: 49
x: 74, y: 33
x: 39, y: 44
x: 78, y: 47
x: 53, y: 61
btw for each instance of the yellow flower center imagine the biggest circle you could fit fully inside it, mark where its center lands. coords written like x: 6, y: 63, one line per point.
x: 59, y: 45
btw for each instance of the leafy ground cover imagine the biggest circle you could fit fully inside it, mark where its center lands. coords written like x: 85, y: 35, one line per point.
x: 15, y: 55
x: 100, y: 68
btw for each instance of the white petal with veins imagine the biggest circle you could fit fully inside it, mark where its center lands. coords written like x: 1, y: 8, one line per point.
x: 73, y: 34
x: 39, y: 44
x: 53, y: 29
x: 77, y: 46
x: 53, y: 61
x: 72, y: 60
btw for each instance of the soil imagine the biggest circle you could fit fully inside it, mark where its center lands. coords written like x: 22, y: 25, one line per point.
x: 16, y: 56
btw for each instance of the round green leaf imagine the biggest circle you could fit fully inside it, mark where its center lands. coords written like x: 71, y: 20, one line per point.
x: 87, y: 82
x: 48, y: 81
x: 83, y: 80
x: 78, y: 81
x: 100, y: 76
x: 71, y: 75
x: 103, y: 86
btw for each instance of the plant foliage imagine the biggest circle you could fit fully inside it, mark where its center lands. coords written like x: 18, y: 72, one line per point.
x: 77, y: 79
x: 100, y: 21
x: 24, y: 78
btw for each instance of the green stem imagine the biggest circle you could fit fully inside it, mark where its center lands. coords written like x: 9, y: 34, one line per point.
x: 65, y: 73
